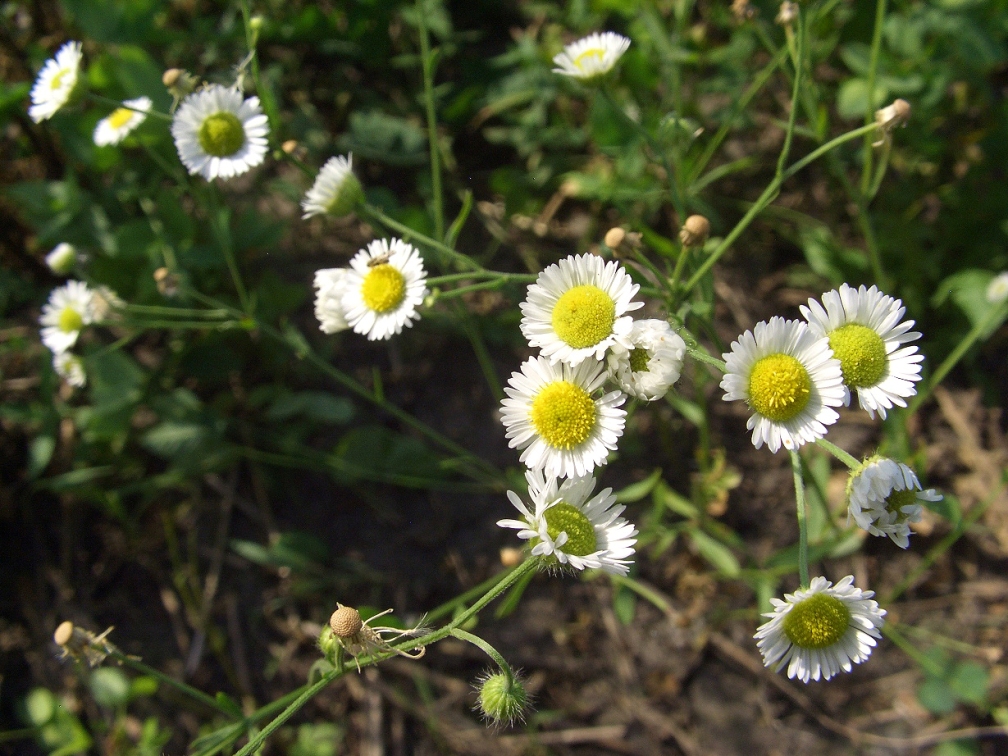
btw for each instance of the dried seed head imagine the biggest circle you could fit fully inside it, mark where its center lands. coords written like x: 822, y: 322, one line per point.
x: 345, y: 622
x: 170, y: 77
x: 614, y: 237
x: 694, y: 231
x: 788, y: 13
x: 63, y: 633
x: 742, y: 10
x: 893, y: 115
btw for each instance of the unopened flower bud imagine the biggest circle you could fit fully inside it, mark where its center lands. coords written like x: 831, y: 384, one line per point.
x: 894, y: 115
x: 62, y: 258
x: 256, y: 24
x: 289, y: 146
x: 694, y: 231
x: 614, y: 237
x: 63, y: 633
x: 787, y: 14
x: 170, y: 77
x: 997, y: 289
x: 345, y: 622
x: 502, y: 698
x: 328, y: 643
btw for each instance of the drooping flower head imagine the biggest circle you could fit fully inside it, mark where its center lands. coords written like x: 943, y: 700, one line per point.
x: 384, y: 286
x: 577, y: 309
x: 653, y: 362
x: 56, y: 82
x: 69, y: 309
x: 330, y: 284
x: 569, y: 524
x: 591, y: 56
x: 819, y: 630
x: 552, y: 413
x: 865, y: 333
x: 122, y: 121
x: 885, y: 496
x: 336, y: 190
x: 70, y: 368
x: 789, y: 379
x: 218, y: 133
x: 62, y: 258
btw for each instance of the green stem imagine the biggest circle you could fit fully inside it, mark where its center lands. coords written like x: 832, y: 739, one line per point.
x: 839, y: 453
x: 471, y: 330
x: 220, y: 224
x: 645, y: 591
x: 866, y: 168
x: 796, y: 91
x: 190, y: 691
x: 700, y: 355
x: 451, y: 277
x: 799, y: 488
x: 460, y: 290
x: 181, y: 324
x: 410, y: 234
x: 173, y: 311
x: 994, y: 314
x: 768, y: 196
x: 486, y: 648
x: 427, y: 61
x: 119, y: 104
x: 930, y: 665
x: 450, y: 606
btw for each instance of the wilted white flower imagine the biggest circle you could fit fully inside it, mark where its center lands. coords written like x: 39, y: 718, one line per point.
x: 552, y: 413
x: 789, y: 378
x: 577, y: 309
x: 55, y: 82
x: 218, y: 133
x: 865, y: 333
x: 884, y: 497
x: 122, y: 121
x: 819, y: 630
x: 573, y: 526
x: 592, y: 56
x: 383, y: 288
x: 336, y: 190
x: 653, y: 362
x: 330, y: 284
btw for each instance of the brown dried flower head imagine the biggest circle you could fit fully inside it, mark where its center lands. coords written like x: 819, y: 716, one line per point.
x: 694, y: 231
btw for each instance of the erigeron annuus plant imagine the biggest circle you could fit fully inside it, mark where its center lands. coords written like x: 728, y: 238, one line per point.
x: 591, y: 359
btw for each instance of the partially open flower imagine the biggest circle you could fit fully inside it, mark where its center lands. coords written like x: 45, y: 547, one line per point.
x: 56, y: 82
x: 336, y: 190
x: 62, y: 258
x: 884, y: 497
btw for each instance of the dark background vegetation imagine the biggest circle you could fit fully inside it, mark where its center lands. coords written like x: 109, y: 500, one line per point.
x: 212, y: 496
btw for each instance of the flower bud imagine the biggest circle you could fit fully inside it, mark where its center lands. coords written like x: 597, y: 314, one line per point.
x: 170, y: 77
x: 328, y: 643
x: 345, y: 622
x: 289, y: 146
x: 742, y: 10
x: 502, y: 698
x: 997, y: 289
x: 64, y: 633
x: 167, y: 282
x: 62, y: 259
x: 694, y: 231
x: 787, y: 14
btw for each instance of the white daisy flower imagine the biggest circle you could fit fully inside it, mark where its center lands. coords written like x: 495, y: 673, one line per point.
x: 70, y: 308
x: 384, y: 285
x: 336, y: 190
x: 864, y: 331
x: 653, y: 362
x: 331, y: 284
x: 70, y: 368
x: 55, y: 82
x: 551, y: 412
x: 789, y: 378
x: 592, y: 56
x: 884, y: 497
x: 217, y: 133
x: 122, y: 121
x: 819, y: 630
x: 577, y: 309
x: 62, y: 258
x: 586, y: 533
x: 997, y: 289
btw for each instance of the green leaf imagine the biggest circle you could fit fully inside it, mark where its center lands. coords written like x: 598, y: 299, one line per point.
x: 936, y: 696
x: 143, y: 686
x: 318, y: 739
x: 384, y: 138
x: 640, y: 489
x: 216, y: 741
x: 110, y: 687
x: 40, y: 706
x: 170, y: 439
x: 39, y: 454
x: 312, y: 405
x: 514, y: 596
x: 375, y: 452
x: 852, y: 99
x: 624, y: 604
x: 229, y: 704
x: 665, y: 496
x: 716, y: 553
x: 969, y: 682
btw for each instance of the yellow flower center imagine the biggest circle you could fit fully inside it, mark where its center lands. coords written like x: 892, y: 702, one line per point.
x: 817, y: 622
x: 592, y: 52
x: 57, y: 80
x: 899, y: 499
x: 583, y: 316
x: 564, y: 518
x: 861, y: 352
x: 70, y: 320
x: 221, y: 134
x: 639, y: 359
x: 120, y: 117
x: 563, y: 414
x: 779, y: 387
x: 384, y: 288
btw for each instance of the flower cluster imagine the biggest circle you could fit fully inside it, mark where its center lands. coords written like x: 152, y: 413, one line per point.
x: 70, y: 308
x: 564, y: 408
